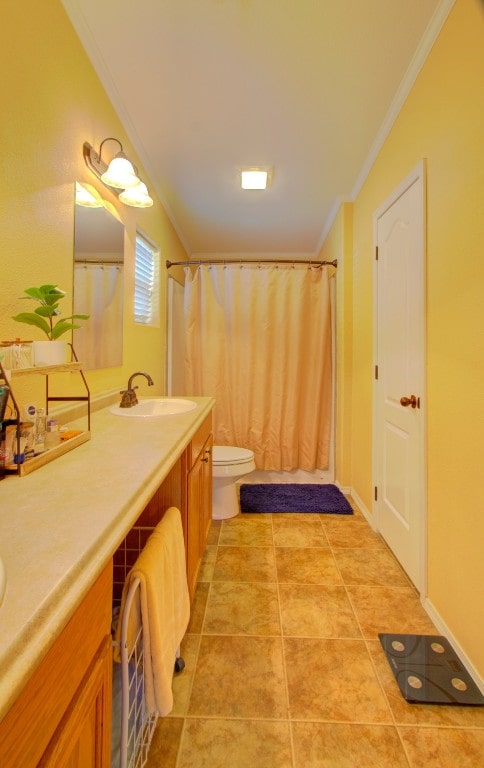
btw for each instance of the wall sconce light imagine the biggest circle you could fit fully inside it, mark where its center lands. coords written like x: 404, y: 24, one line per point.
x: 120, y: 175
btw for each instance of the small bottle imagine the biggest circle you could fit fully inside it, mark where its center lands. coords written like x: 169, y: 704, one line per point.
x: 52, y: 434
x: 40, y: 430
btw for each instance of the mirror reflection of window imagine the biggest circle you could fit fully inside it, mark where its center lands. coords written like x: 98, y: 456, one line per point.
x: 98, y: 283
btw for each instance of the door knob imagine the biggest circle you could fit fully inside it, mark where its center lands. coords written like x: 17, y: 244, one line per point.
x: 412, y: 400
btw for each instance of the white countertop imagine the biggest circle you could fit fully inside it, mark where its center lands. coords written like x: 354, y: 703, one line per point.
x: 61, y: 524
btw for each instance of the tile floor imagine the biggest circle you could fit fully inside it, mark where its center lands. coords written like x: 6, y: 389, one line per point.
x: 284, y: 668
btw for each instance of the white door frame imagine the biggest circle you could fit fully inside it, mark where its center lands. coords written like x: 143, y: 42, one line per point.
x: 418, y: 173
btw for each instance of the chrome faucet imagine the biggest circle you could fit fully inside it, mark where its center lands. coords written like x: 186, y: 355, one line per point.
x: 129, y: 395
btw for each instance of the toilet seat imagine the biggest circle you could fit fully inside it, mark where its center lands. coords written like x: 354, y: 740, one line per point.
x: 229, y: 455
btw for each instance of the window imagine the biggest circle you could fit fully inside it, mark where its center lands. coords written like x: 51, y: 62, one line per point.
x: 146, y: 282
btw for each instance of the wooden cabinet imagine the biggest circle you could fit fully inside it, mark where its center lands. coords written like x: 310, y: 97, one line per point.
x: 199, y: 484
x: 187, y: 486
x: 63, y: 715
x: 81, y: 740
x: 199, y: 496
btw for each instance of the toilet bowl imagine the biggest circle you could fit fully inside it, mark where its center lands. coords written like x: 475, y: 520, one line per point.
x: 228, y: 464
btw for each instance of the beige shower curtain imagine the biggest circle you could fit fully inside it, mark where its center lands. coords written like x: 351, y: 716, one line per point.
x: 259, y: 341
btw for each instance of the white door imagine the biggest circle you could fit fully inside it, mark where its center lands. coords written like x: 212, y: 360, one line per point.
x: 399, y: 422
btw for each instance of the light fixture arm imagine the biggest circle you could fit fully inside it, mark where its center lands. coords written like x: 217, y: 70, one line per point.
x: 110, y: 138
x: 93, y: 159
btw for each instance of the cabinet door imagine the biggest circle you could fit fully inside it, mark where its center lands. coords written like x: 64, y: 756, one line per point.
x: 206, y: 493
x: 195, y: 480
x: 199, y: 511
x: 83, y: 737
x: 55, y: 692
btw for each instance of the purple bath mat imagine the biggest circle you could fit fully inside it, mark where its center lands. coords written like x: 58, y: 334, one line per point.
x: 293, y: 497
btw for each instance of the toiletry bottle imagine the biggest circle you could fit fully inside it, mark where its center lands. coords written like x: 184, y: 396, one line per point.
x: 3, y: 451
x: 4, y: 393
x: 40, y: 430
x: 52, y: 435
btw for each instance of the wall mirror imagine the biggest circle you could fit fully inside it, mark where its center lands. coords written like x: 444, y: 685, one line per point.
x: 98, y: 280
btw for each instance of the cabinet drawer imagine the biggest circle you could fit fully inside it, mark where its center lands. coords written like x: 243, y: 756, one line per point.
x: 198, y: 440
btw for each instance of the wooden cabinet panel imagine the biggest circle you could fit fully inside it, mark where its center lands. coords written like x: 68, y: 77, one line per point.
x: 28, y: 727
x: 171, y: 493
x: 82, y: 739
x: 198, y: 440
x: 206, y: 493
x: 194, y: 484
x: 188, y: 486
x: 199, y: 484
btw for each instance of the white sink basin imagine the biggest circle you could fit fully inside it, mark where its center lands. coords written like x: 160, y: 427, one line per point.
x: 157, y: 406
x: 3, y: 580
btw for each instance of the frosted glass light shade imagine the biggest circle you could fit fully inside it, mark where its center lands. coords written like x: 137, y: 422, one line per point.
x: 86, y: 198
x: 120, y: 173
x: 137, y: 196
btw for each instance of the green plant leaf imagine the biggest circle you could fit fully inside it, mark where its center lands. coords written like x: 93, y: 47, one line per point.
x: 47, y: 311
x: 77, y: 317
x: 62, y: 327
x: 33, y: 293
x: 30, y: 318
x: 48, y: 297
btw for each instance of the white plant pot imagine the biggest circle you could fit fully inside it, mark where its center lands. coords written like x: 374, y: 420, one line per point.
x: 50, y: 352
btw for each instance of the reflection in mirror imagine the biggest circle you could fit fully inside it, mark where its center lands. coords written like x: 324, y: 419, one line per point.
x: 98, y: 281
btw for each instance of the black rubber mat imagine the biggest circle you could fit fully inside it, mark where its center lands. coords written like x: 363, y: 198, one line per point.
x: 428, y: 670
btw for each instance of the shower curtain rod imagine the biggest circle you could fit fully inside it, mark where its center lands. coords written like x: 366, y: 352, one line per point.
x: 285, y: 262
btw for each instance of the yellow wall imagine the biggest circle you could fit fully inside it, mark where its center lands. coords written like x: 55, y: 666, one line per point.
x: 442, y: 120
x: 52, y: 102
x: 339, y: 245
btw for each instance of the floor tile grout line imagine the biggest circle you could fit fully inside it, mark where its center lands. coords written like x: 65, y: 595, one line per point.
x: 283, y: 655
x: 395, y: 723
x: 365, y: 640
x: 369, y: 723
x: 375, y: 671
x: 405, y: 751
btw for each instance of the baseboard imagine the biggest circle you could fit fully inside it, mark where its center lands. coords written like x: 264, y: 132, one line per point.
x: 428, y: 607
x: 444, y: 630
x: 364, y: 511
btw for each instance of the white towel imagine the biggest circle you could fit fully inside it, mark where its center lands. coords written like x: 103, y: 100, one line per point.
x: 165, y: 607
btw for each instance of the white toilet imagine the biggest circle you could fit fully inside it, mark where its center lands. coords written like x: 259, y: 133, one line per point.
x: 228, y: 464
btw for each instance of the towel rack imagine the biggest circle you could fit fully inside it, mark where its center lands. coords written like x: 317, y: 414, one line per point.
x: 137, y: 724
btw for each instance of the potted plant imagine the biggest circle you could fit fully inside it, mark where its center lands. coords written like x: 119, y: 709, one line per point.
x: 52, y: 351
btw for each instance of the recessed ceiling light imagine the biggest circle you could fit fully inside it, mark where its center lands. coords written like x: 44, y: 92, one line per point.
x: 255, y: 178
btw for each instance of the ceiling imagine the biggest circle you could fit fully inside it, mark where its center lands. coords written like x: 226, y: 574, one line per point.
x: 205, y: 87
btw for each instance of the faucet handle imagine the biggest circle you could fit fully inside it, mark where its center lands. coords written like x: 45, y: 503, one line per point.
x: 128, y: 398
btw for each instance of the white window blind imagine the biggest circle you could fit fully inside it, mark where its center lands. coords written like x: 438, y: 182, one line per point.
x: 146, y: 282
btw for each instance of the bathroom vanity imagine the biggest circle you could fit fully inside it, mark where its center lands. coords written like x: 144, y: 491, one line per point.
x: 60, y: 530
